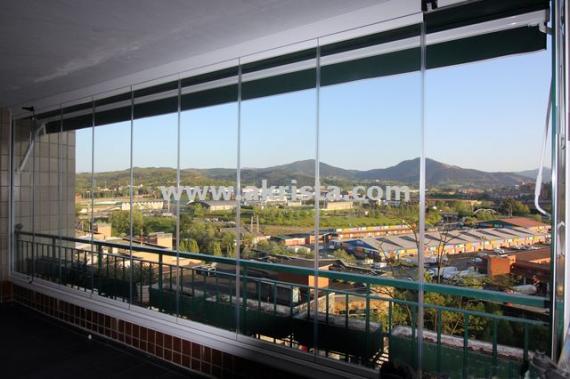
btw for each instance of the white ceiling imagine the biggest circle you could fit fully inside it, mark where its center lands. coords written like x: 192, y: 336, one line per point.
x: 49, y: 48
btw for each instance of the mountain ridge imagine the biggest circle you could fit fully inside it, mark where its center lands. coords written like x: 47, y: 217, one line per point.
x: 303, y: 171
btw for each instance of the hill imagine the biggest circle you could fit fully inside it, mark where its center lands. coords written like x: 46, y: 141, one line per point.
x: 406, y: 172
x: 531, y: 174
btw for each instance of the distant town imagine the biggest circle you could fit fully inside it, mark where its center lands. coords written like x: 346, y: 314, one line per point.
x: 475, y: 233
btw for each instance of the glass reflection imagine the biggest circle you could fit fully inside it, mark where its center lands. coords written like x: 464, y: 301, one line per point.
x: 208, y: 229
x: 75, y: 215
x: 278, y: 161
x: 155, y: 157
x: 370, y: 149
x: 23, y: 193
x: 484, y: 129
x: 109, y: 185
x: 82, y: 175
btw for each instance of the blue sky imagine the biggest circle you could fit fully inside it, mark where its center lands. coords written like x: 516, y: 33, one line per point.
x: 487, y: 115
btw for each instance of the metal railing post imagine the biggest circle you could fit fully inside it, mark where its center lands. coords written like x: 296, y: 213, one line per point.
x: 291, y: 302
x: 217, y: 289
x: 346, y: 311
x: 99, y: 259
x: 160, y: 281
x: 390, y: 307
x: 275, y: 299
x: 53, y: 247
x: 438, y: 331
x: 465, y: 343
x: 495, y: 337
x: 244, y: 295
x: 192, y: 275
x: 160, y: 271
x: 327, y: 306
x: 258, y: 287
x: 367, y: 321
x: 33, y: 258
x: 525, y: 343
x: 18, y: 250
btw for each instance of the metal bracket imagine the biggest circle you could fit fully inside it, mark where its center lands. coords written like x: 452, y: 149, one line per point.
x: 429, y: 5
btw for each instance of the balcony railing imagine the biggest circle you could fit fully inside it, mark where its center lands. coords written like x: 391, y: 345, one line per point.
x: 360, y: 319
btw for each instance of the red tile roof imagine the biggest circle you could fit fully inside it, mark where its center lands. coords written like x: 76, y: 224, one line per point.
x: 523, y: 222
x: 533, y: 255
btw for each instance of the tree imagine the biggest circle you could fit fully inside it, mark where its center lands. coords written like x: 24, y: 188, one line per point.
x: 121, y: 223
x: 271, y: 247
x: 190, y: 245
x: 462, y: 208
x: 228, y: 244
x: 215, y: 248
x: 197, y: 210
x: 444, y: 236
x: 452, y: 321
x: 409, y: 216
x: 514, y: 207
x: 246, y: 245
x: 159, y: 224
x: 344, y: 256
x: 484, y: 214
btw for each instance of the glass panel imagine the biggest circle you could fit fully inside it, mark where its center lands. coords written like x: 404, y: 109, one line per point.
x: 45, y: 200
x: 83, y: 179
x: 43, y: 197
x: 207, y: 203
x: 277, y: 161
x: 75, y: 203
x: 22, y: 192
x: 370, y: 149
x: 155, y: 155
x: 485, y: 126
x: 110, y: 209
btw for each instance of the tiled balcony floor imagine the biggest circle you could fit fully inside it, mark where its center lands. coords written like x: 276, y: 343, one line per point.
x: 34, y: 346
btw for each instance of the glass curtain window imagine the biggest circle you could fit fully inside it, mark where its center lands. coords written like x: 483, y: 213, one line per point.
x: 22, y: 192
x: 208, y: 228
x: 484, y: 127
x: 75, y: 201
x: 154, y: 220
x: 110, y: 203
x: 45, y: 170
x: 265, y: 195
x: 370, y: 141
x: 279, y: 205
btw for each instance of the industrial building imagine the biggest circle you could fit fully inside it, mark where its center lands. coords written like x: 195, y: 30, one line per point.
x: 444, y: 242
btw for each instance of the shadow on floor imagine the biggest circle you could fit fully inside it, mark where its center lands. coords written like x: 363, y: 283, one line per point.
x: 35, y: 346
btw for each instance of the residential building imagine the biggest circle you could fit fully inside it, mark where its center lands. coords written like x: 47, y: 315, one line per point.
x: 337, y: 205
x: 102, y: 231
x: 143, y: 205
x: 216, y: 205
x: 371, y: 231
